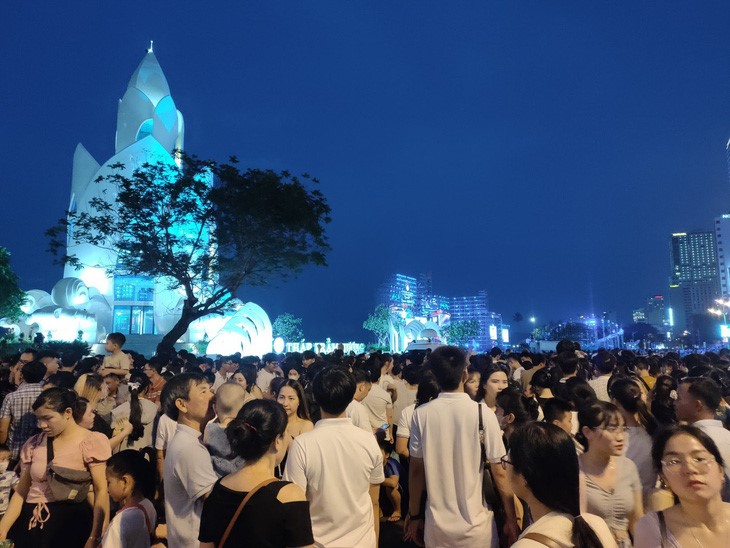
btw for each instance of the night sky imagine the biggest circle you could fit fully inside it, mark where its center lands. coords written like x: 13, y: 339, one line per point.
x: 543, y: 151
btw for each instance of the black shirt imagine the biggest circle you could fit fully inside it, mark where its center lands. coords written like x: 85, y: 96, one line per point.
x: 264, y: 522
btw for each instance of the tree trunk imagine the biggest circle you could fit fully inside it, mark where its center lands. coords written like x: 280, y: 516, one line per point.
x: 167, y: 344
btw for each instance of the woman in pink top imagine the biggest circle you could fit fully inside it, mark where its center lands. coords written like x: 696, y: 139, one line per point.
x: 34, y: 517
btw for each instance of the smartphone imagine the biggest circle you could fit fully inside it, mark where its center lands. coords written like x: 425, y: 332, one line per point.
x: 384, y: 426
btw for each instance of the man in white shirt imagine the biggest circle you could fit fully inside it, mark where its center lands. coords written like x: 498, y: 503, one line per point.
x: 697, y: 400
x: 228, y: 366
x: 267, y: 374
x: 356, y: 411
x: 188, y: 472
x: 445, y: 462
x: 604, y: 363
x: 340, y: 467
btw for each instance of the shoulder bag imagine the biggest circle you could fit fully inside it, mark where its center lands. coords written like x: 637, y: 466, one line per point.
x: 66, y: 484
x: 231, y: 523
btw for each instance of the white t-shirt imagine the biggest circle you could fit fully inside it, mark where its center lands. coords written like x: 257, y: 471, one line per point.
x: 600, y: 386
x: 188, y: 477
x: 263, y: 380
x: 335, y: 464
x: 445, y: 434
x: 149, y: 412
x: 130, y: 527
x: 166, y: 428
x: 404, y: 424
x: 406, y: 397
x: 357, y: 413
x: 559, y: 528
x: 639, y: 451
x: 377, y: 402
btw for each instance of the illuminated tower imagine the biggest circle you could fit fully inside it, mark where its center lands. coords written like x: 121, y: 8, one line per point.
x: 149, y: 130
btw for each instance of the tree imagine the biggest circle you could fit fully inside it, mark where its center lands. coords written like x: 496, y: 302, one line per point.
x: 378, y: 324
x: 461, y: 333
x: 288, y: 327
x: 206, y: 228
x: 517, y: 317
x: 11, y: 296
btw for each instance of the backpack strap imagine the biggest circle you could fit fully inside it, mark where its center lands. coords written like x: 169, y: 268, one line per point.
x: 146, y: 517
x: 542, y: 539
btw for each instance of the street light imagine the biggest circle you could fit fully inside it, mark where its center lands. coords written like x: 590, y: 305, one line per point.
x: 532, y: 319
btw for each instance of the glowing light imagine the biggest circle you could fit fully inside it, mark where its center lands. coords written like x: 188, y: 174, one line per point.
x: 493, y: 332
x: 279, y: 345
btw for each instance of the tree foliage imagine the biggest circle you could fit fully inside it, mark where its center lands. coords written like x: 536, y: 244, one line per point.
x: 377, y: 323
x: 207, y: 228
x: 11, y: 296
x: 288, y: 327
x: 461, y: 333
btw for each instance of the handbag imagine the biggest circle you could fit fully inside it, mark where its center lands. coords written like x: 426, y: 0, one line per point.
x: 231, y: 523
x: 66, y: 484
x: 489, y: 490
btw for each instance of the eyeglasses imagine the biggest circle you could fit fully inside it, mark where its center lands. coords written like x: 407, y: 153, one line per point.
x: 701, y: 463
x: 504, y: 461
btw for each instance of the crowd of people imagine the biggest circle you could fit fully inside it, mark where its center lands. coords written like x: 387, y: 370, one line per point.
x: 456, y: 449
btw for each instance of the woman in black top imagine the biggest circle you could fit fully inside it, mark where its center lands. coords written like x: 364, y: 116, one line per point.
x: 277, y: 515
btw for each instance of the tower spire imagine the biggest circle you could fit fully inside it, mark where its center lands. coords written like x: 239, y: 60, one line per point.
x: 151, y: 49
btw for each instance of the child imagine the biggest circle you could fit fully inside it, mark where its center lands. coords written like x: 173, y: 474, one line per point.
x: 393, y: 475
x: 131, y: 480
x: 228, y: 402
x: 118, y: 363
x: 8, y: 479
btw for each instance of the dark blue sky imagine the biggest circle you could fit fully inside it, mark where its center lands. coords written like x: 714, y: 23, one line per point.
x: 543, y: 151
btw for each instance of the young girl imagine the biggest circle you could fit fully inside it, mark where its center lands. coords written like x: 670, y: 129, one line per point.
x: 131, y: 482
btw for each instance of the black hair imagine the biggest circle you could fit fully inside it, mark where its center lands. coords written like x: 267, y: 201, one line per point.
x: 579, y: 392
x: 69, y: 358
x: 565, y: 345
x: 428, y: 388
x: 157, y: 363
x: 605, y: 362
x: 64, y: 379
x: 116, y: 338
x: 302, y: 408
x: 511, y: 403
x: 545, y: 456
x: 448, y: 364
x: 255, y: 428
x: 137, y: 383
x: 248, y: 370
x: 554, y: 409
x: 60, y: 399
x: 705, y: 390
x: 360, y: 375
x: 595, y: 415
x: 309, y: 355
x: 178, y: 387
x: 333, y: 390
x: 544, y: 378
x: 133, y: 463
x: 33, y: 372
x: 628, y: 394
x: 372, y: 366
x: 567, y: 362
x: 666, y: 434
x: 412, y: 374
x: 271, y: 357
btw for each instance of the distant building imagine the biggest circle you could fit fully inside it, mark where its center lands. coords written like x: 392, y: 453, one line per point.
x: 656, y: 314
x: 722, y: 238
x: 638, y: 316
x: 475, y: 307
x: 694, y: 283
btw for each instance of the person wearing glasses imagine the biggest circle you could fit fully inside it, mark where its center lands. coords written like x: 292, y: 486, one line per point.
x: 691, y: 465
x: 542, y: 467
x: 611, y: 484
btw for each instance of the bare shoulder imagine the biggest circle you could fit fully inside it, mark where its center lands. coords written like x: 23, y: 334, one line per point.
x: 307, y: 426
x: 291, y: 493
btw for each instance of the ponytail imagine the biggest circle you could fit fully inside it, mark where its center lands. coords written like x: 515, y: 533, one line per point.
x: 135, y: 416
x: 583, y: 535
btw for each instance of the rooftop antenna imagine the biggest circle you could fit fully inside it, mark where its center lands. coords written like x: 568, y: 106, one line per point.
x: 151, y: 48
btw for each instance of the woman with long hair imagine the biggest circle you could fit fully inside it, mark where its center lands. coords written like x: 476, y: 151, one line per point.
x: 542, y: 467
x: 690, y: 464
x: 290, y: 394
x: 138, y: 411
x: 246, y: 377
x: 277, y: 513
x: 493, y: 380
x: 662, y: 398
x: 512, y: 412
x: 37, y: 515
x: 626, y: 395
x: 612, y: 484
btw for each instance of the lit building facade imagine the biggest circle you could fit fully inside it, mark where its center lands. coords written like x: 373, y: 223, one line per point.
x: 722, y: 238
x: 694, y: 283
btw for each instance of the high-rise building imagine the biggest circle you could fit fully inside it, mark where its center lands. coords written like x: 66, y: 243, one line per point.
x: 656, y: 314
x: 399, y: 293
x: 694, y: 283
x: 722, y: 238
x: 474, y: 307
